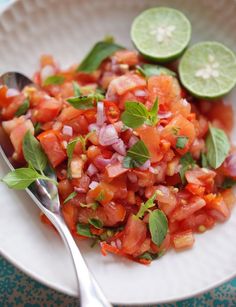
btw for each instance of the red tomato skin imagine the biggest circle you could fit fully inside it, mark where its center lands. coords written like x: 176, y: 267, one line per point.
x: 114, y: 170
x: 52, y: 147
x: 47, y: 110
x: 134, y: 235
x: 65, y: 188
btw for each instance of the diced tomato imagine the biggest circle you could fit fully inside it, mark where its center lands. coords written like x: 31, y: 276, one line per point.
x: 179, y: 126
x: 65, y: 188
x: 165, y: 88
x: 115, y: 213
x: 183, y: 240
x: 93, y: 152
x: 119, y: 187
x: 91, y: 115
x: 4, y: 100
x: 115, y: 169
x: 102, y: 193
x: 125, y: 83
x: 165, y: 245
x: 152, y: 142
x: 218, y: 209
x: 199, y: 222
x: 52, y: 147
x: 68, y: 114
x: 9, y: 111
x: 134, y: 235
x: 79, y: 124
x: 229, y: 197
x: 82, y: 183
x: 128, y: 57
x: 11, y: 124
x: 70, y: 213
x: 17, y: 135
x: 112, y: 111
x: 145, y: 178
x: 185, y: 210
x: 144, y: 247
x: 195, y: 189
x: 47, y: 110
x: 201, y: 177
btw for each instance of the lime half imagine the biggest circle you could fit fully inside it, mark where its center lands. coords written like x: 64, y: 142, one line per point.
x: 208, y: 70
x: 161, y: 33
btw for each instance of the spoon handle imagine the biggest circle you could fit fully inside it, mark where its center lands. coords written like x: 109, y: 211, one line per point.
x: 90, y: 293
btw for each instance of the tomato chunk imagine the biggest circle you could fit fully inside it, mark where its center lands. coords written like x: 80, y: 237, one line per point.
x: 183, y: 240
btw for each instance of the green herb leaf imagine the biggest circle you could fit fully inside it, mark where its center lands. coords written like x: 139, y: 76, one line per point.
x: 84, y: 230
x: 76, y: 89
x: 96, y: 223
x: 145, y: 206
x: 85, y: 102
x: 97, y: 55
x: 101, y: 196
x: 83, y: 140
x: 37, y: 128
x: 69, y: 151
x: 90, y: 205
x: 21, y: 178
x: 228, y: 183
x: 153, y: 113
x: 134, y: 115
x: 23, y: 108
x: 33, y: 152
x: 149, y: 256
x: 54, y: 80
x: 181, y: 142
x: 204, y: 161
x: 187, y: 163
x: 148, y: 70
x: 136, y: 156
x: 217, y: 145
x: 158, y: 226
x: 71, y: 196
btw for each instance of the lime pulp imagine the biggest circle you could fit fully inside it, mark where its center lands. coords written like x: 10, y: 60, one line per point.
x: 208, y: 70
x: 161, y: 33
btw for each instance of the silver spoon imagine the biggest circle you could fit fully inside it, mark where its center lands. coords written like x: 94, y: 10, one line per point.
x: 45, y: 195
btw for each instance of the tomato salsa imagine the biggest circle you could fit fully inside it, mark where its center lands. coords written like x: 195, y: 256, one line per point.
x: 141, y: 164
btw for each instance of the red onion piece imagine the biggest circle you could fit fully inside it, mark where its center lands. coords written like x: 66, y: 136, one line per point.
x: 107, y: 135
x: 93, y: 185
x: 134, y: 139
x: 140, y: 93
x: 12, y: 92
x: 116, y: 157
x: 67, y: 130
x: 101, y: 162
x: 93, y: 127
x: 100, y: 113
x: 118, y: 126
x: 230, y: 165
x: 145, y: 166
x: 119, y: 147
x: 79, y: 190
x: 91, y: 170
x: 163, y: 115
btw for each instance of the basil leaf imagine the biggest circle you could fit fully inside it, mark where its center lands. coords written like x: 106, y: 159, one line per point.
x: 134, y: 115
x: 101, y: 196
x: 217, y: 145
x: 204, y: 161
x: 228, y: 183
x: 153, y: 113
x: 76, y: 89
x: 181, y: 142
x: 96, y: 223
x: 97, y: 55
x: 158, y: 226
x: 145, y: 206
x: 148, y: 70
x: 54, y: 80
x: 37, y: 128
x: 136, y: 156
x: 21, y: 178
x: 69, y: 151
x: 23, y: 108
x: 33, y: 152
x: 149, y: 256
x: 85, y: 102
x: 187, y: 163
x: 71, y: 196
x: 84, y: 230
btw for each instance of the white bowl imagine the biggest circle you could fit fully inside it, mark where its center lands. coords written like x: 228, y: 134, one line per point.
x: 67, y: 29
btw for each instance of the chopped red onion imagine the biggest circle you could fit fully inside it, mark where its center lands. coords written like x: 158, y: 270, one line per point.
x: 230, y: 165
x: 117, y: 157
x: 132, y: 177
x: 163, y: 115
x: 28, y: 114
x: 79, y: 190
x: 67, y: 130
x: 118, y: 126
x: 93, y: 127
x: 134, y: 139
x: 92, y: 170
x: 12, y: 92
x: 46, y: 72
x: 160, y: 128
x: 107, y: 135
x: 119, y: 146
x: 145, y: 166
x: 101, y: 162
x: 100, y: 113
x: 57, y: 126
x: 140, y: 93
x: 93, y: 185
